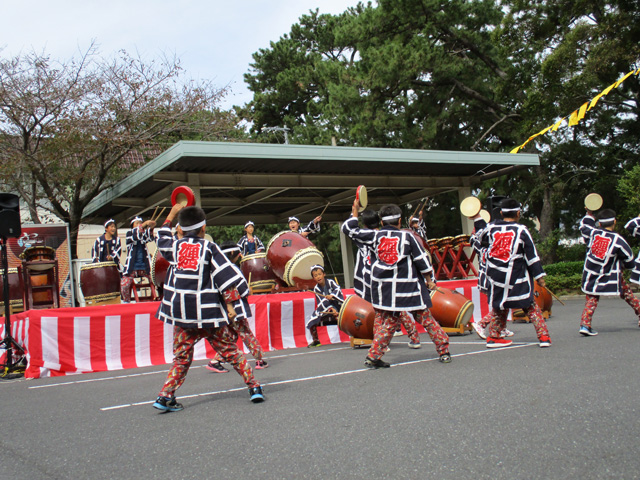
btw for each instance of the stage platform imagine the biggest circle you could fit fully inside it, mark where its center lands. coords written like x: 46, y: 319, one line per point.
x: 69, y: 341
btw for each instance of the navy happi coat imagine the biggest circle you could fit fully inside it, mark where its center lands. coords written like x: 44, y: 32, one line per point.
x: 513, y: 264
x: 398, y: 268
x: 324, y: 304
x: 607, y: 254
x: 197, y: 282
x: 137, y: 238
x: 244, y: 245
x: 633, y: 227
x: 102, y: 248
x: 481, y: 252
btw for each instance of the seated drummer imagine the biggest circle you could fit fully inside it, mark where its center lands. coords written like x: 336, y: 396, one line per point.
x: 417, y: 225
x: 107, y: 247
x: 329, y: 299
x: 231, y: 250
x: 313, y: 227
x: 249, y: 243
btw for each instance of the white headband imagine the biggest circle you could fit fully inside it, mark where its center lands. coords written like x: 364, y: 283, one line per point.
x: 414, y: 219
x: 231, y: 249
x: 294, y: 218
x: 607, y: 220
x: 194, y: 227
x: 390, y: 217
x: 510, y: 210
x: 111, y: 220
x: 315, y: 267
x: 249, y: 223
x: 136, y: 219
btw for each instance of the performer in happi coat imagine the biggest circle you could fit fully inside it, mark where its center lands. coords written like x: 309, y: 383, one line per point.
x: 312, y: 227
x: 608, y: 253
x: 329, y: 299
x: 107, y: 247
x: 401, y: 276
x: 417, y: 225
x: 633, y: 227
x: 249, y: 243
x: 137, y: 264
x: 203, y: 293
x: 513, y: 265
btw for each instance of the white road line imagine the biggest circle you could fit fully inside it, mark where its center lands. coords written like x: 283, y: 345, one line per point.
x: 318, y: 377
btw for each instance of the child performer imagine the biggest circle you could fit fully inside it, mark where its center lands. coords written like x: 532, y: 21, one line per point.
x: 512, y: 267
x: 249, y: 243
x: 417, y: 225
x: 107, y: 247
x: 362, y: 277
x: 137, y: 263
x: 313, y: 227
x: 633, y: 227
x: 483, y: 285
x: 239, y: 325
x: 401, y: 265
x: 203, y: 292
x: 607, y: 252
x: 329, y: 299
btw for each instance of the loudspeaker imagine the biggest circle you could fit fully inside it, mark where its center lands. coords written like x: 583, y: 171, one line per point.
x: 493, y: 205
x: 10, y: 215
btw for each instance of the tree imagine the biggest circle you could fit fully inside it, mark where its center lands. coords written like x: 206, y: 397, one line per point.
x: 69, y: 130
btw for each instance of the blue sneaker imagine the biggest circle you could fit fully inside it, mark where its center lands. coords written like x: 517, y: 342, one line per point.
x: 256, y: 395
x: 167, y: 404
x: 587, y: 331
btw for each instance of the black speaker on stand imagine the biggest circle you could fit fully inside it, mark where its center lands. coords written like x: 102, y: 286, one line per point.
x: 9, y: 228
x: 493, y: 205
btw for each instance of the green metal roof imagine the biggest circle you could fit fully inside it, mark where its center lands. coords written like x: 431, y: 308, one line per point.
x: 268, y: 183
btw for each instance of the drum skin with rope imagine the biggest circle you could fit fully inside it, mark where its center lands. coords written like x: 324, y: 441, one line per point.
x: 100, y: 283
x: 356, y: 317
x: 159, y: 268
x: 39, y: 253
x: 291, y: 256
x: 258, y: 273
x: 450, y: 308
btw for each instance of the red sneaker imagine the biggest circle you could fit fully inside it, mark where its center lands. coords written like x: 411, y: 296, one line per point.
x: 545, y: 341
x: 498, y: 342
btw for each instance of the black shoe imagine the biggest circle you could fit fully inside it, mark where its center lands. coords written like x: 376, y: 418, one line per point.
x: 167, y: 404
x: 445, y: 358
x: 371, y: 363
x: 256, y: 395
x: 315, y: 343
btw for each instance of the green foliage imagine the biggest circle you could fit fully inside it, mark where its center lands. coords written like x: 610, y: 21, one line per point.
x: 560, y: 284
x: 564, y: 269
x: 629, y: 190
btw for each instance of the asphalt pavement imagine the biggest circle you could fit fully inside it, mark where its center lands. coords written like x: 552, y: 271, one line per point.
x: 521, y: 412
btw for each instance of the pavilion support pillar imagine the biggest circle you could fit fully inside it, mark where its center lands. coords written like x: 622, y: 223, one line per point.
x: 348, y: 263
x: 467, y: 223
x: 194, y: 184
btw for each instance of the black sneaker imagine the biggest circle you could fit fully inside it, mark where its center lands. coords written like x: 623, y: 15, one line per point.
x: 314, y: 344
x: 371, y: 363
x: 167, y: 404
x: 445, y: 358
x: 216, y: 367
x: 256, y: 395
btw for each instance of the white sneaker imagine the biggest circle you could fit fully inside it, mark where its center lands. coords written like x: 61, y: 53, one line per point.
x: 506, y: 333
x: 398, y: 333
x: 479, y: 330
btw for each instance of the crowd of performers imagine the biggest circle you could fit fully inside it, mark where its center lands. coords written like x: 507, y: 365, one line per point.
x: 205, y: 294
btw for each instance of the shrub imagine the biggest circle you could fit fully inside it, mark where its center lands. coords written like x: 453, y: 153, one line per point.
x: 564, y: 269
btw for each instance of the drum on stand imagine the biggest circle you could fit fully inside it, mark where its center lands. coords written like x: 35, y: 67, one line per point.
x: 258, y: 273
x: 356, y: 317
x: 100, y: 283
x: 291, y: 256
x: 159, y: 268
x: 39, y: 253
x: 460, y: 240
x: 450, y: 308
x: 16, y: 291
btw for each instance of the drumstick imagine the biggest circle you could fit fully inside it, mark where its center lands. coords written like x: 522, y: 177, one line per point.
x: 249, y: 282
x: 327, y: 296
x: 554, y: 295
x: 154, y: 212
x: 159, y: 215
x: 325, y: 208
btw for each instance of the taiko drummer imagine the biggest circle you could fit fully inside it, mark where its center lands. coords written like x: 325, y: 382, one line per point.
x: 312, y: 227
x: 329, y: 299
x: 249, y: 243
x: 107, y: 247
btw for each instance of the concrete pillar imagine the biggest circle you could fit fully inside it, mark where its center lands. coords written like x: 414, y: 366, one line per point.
x: 193, y: 182
x: 348, y: 263
x: 467, y: 223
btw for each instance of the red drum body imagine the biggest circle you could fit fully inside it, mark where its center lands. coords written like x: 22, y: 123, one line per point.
x: 100, y: 283
x: 291, y: 256
x: 39, y: 254
x: 356, y: 317
x: 461, y: 240
x: 420, y: 240
x: 450, y: 308
x: 258, y: 273
x: 16, y: 290
x: 159, y: 268
x: 543, y: 298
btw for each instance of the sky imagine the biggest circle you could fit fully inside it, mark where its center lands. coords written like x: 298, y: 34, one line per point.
x: 214, y: 39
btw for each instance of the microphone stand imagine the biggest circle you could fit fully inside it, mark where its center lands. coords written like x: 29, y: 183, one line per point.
x: 7, y: 342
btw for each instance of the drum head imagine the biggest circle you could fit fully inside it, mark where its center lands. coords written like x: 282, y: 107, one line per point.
x: 470, y: 206
x: 486, y: 216
x: 593, y: 201
x: 362, y: 197
x: 183, y: 195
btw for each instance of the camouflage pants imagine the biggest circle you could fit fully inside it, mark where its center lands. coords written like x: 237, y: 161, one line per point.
x: 243, y: 330
x: 591, y: 303
x: 533, y: 312
x: 222, y: 339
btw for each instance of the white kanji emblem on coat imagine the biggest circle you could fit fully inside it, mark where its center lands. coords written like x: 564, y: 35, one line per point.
x: 388, y: 250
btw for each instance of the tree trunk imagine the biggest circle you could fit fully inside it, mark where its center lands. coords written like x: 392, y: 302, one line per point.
x: 547, y: 223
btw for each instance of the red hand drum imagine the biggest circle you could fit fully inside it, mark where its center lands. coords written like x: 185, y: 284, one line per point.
x: 356, y: 317
x: 258, y: 273
x: 100, y: 283
x: 291, y: 256
x: 183, y: 195
x: 16, y: 290
x: 450, y: 308
x: 159, y: 268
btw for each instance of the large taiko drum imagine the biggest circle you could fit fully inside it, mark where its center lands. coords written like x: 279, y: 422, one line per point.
x: 291, y: 256
x: 159, y: 268
x: 39, y: 253
x: 420, y: 240
x: 16, y: 290
x: 356, y: 317
x: 543, y: 299
x: 258, y: 273
x: 450, y: 308
x: 444, y: 242
x: 100, y: 283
